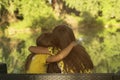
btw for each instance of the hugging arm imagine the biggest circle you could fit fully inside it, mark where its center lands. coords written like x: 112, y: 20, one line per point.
x: 62, y: 54
x: 38, y: 49
x: 54, y: 58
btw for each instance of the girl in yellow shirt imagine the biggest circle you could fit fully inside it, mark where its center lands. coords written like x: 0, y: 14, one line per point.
x: 37, y: 62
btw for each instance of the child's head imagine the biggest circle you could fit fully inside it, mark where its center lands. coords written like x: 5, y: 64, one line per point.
x: 63, y: 36
x: 44, y: 40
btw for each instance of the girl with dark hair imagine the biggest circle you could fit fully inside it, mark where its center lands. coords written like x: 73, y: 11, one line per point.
x: 37, y: 63
x: 78, y: 60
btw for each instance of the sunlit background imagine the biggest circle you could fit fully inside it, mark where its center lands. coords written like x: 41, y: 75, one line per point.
x: 96, y: 23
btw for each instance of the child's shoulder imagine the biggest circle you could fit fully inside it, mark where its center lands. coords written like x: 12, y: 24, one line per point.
x: 53, y: 50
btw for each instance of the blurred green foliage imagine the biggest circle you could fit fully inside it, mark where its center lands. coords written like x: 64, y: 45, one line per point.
x: 97, y: 23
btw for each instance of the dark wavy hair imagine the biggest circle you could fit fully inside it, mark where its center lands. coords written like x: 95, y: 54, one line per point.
x: 78, y: 59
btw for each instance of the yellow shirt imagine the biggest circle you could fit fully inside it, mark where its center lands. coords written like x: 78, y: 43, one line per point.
x: 38, y: 64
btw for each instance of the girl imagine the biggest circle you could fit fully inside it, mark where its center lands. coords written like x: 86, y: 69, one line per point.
x: 78, y: 60
x: 37, y: 63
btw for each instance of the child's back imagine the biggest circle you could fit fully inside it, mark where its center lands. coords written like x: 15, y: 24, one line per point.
x: 37, y: 62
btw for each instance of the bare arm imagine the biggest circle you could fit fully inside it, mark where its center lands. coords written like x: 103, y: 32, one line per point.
x: 62, y: 54
x: 36, y: 49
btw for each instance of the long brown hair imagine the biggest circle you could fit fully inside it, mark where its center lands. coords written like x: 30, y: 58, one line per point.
x: 78, y: 59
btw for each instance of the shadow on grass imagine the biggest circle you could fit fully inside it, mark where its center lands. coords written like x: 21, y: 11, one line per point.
x: 90, y: 27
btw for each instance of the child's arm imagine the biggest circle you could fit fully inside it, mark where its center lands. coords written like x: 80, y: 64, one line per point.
x: 62, y: 54
x: 36, y: 49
